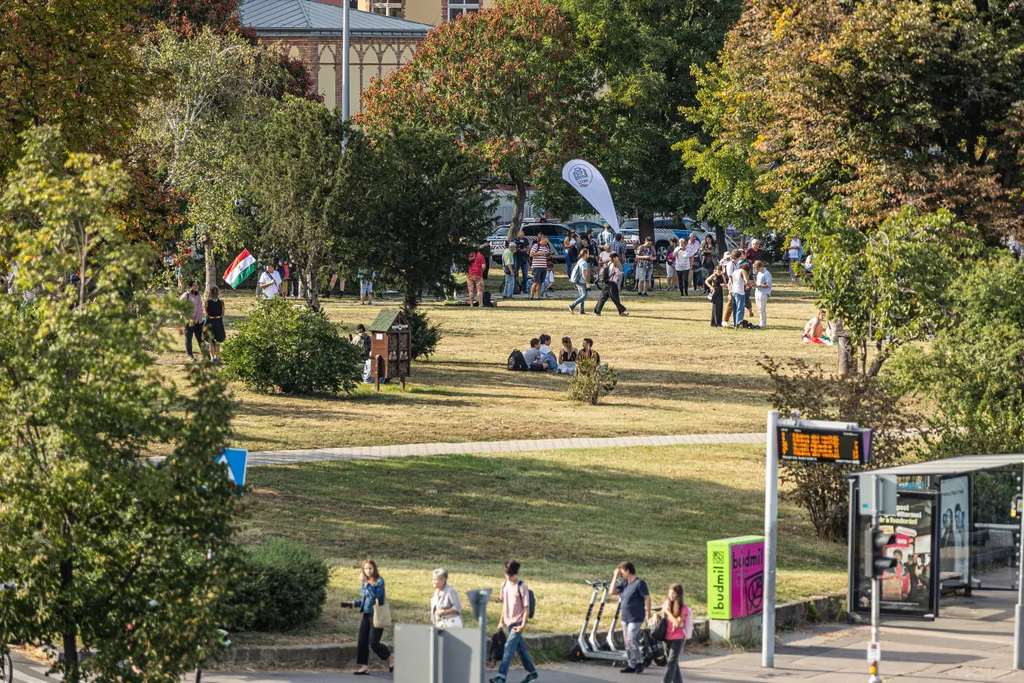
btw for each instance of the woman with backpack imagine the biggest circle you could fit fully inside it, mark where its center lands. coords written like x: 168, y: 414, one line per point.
x: 679, y: 622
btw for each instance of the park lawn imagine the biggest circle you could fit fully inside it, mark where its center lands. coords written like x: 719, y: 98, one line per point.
x: 567, y: 516
x: 677, y: 375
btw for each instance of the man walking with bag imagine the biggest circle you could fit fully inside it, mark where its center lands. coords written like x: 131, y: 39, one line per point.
x: 515, y: 613
x: 636, y: 609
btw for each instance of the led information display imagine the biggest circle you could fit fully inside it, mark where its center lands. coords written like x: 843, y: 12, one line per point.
x: 840, y: 446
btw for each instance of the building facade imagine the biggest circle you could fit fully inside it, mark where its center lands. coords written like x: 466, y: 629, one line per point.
x: 311, y: 31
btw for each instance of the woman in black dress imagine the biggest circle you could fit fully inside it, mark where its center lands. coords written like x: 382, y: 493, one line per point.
x: 714, y: 284
x: 214, y: 323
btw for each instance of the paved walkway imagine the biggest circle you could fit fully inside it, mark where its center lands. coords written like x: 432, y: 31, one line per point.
x: 421, y: 449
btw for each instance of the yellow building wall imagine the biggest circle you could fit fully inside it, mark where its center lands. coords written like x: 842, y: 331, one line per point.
x: 423, y: 11
x: 368, y: 59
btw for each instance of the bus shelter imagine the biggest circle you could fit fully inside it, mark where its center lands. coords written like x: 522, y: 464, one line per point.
x: 956, y: 527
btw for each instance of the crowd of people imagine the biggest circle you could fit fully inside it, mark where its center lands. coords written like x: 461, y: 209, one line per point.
x: 515, y: 598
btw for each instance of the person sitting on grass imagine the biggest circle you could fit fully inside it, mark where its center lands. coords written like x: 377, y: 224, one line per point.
x: 588, y: 352
x: 533, y: 357
x: 814, y: 330
x: 568, y: 353
x: 545, y: 350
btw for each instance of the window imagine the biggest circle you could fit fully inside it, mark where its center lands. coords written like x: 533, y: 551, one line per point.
x: 459, y: 7
x: 389, y: 8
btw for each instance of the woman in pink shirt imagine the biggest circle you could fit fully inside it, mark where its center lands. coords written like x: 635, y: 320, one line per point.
x: 677, y: 614
x: 475, y: 278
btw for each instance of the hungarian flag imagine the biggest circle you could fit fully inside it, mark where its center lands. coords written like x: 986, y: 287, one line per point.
x: 241, y: 268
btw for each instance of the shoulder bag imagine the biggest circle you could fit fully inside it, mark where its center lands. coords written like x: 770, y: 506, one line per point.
x: 381, y: 614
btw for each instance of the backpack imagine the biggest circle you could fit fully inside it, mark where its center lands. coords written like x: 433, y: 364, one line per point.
x: 516, y: 361
x: 497, y: 648
x: 577, y: 273
x: 487, y: 301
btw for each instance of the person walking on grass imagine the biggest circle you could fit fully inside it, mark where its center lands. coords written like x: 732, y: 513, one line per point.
x: 372, y: 588
x: 611, y: 280
x: 762, y: 290
x: 539, y: 260
x: 515, y: 613
x: 635, y: 600
x: 508, y: 264
x: 365, y: 276
x: 677, y: 615
x: 682, y: 267
x: 215, y: 323
x: 194, y: 324
x: 580, y: 279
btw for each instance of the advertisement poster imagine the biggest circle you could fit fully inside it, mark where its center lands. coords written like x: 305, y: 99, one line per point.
x: 954, y: 548
x: 735, y: 577
x: 908, y: 588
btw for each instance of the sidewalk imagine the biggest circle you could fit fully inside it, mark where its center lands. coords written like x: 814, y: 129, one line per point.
x: 257, y: 458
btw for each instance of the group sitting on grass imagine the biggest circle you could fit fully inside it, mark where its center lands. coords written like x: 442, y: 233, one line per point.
x: 540, y: 357
x: 517, y: 609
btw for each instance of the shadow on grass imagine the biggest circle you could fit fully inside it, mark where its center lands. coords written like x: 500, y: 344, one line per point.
x: 575, y: 514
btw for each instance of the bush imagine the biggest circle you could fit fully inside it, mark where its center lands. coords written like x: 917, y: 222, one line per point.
x: 821, y: 488
x: 424, y: 334
x: 590, y: 381
x: 281, y: 586
x: 294, y: 349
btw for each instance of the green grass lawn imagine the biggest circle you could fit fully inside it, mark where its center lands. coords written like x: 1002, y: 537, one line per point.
x: 677, y: 375
x: 566, y: 515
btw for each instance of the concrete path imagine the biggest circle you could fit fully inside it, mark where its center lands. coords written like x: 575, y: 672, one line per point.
x: 257, y: 458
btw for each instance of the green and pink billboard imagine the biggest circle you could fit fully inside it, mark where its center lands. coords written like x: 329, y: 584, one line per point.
x: 735, y: 577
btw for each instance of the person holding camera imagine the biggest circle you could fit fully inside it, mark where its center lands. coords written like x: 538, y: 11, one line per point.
x: 373, y: 594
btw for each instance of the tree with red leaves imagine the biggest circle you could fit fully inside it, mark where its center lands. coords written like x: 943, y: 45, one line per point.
x: 506, y: 83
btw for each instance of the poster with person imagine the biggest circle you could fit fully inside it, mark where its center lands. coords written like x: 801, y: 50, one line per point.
x: 954, y: 549
x: 908, y: 588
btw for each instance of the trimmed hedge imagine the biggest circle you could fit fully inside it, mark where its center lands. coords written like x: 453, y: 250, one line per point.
x: 281, y: 587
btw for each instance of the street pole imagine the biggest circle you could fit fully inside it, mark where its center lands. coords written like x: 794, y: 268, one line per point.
x: 1018, y: 620
x: 771, y: 532
x: 876, y: 584
x: 345, y: 75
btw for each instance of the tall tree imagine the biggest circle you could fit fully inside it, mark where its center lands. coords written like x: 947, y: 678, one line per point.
x: 299, y: 174
x: 104, y: 551
x: 72, y: 64
x: 220, y: 87
x: 507, y: 82
x: 642, y: 52
x: 417, y: 206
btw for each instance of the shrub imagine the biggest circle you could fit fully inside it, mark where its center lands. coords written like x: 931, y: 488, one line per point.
x: 294, y: 349
x: 820, y: 488
x: 590, y: 381
x: 281, y: 586
x: 424, y: 334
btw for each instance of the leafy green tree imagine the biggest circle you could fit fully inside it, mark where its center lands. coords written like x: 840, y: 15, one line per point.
x: 72, y: 64
x: 418, y: 205
x: 220, y: 87
x: 507, y: 83
x: 298, y: 177
x: 971, y: 374
x: 888, y: 284
x: 642, y: 52
x: 104, y: 550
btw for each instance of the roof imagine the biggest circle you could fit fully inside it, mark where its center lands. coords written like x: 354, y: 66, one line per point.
x: 948, y: 466
x: 309, y: 18
x: 385, y: 319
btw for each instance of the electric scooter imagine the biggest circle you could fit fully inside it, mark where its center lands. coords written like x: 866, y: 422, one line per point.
x: 583, y: 649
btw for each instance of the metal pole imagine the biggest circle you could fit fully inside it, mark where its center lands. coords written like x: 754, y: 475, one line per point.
x: 1018, y: 620
x: 345, y: 75
x: 483, y: 640
x: 876, y: 584
x: 771, y: 532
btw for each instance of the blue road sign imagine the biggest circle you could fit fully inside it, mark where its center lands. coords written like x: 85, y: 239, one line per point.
x: 236, y: 459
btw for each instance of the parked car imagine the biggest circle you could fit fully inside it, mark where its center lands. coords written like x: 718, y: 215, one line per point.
x: 556, y: 234
x: 581, y: 227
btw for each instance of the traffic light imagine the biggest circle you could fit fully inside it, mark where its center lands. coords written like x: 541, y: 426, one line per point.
x: 880, y: 564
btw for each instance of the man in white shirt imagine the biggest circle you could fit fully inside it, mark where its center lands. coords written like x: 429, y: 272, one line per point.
x: 270, y: 283
x: 606, y: 236
x: 793, y: 256
x: 738, y: 289
x: 763, y: 289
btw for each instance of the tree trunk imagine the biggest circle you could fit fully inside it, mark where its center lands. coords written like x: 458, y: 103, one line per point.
x: 720, y: 240
x: 71, y: 670
x: 211, y: 264
x: 645, y: 222
x: 520, y: 208
x: 312, y: 289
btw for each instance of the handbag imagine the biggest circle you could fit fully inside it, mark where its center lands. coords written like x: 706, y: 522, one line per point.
x: 451, y: 622
x: 381, y: 615
x: 711, y: 295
